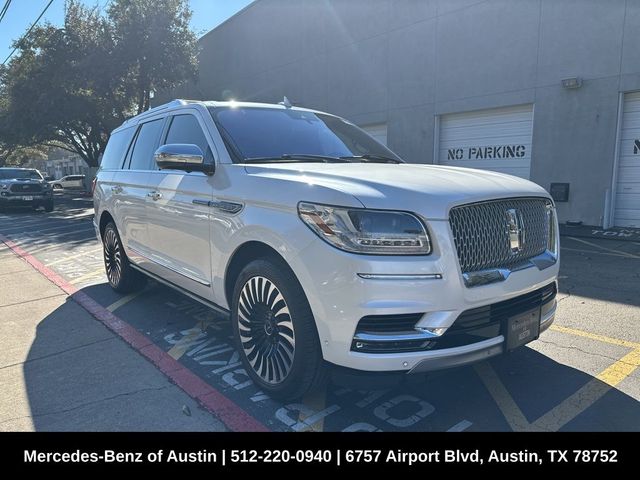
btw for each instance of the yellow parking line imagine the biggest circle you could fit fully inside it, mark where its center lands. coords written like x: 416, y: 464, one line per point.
x: 72, y: 257
x: 317, y: 402
x: 577, y: 402
x: 589, y: 394
x: 621, y: 369
x: 180, y: 348
x: 507, y: 405
x: 595, y: 336
x: 600, y: 247
x: 124, y: 300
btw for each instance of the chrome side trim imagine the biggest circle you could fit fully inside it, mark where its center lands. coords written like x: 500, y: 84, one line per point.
x: 222, y: 205
x: 204, y: 301
x: 391, y: 276
x: 484, y: 277
x: 173, y: 269
x: 394, y: 337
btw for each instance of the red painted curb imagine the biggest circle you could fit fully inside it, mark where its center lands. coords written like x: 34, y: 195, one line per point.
x: 231, y: 414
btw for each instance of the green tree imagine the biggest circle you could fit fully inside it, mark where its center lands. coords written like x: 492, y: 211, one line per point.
x: 70, y: 87
x: 154, y: 44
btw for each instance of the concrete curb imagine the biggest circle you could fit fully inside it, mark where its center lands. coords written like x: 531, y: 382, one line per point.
x: 228, y: 412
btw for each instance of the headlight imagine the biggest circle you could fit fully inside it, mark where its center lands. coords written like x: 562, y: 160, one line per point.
x: 4, y: 187
x: 375, y: 232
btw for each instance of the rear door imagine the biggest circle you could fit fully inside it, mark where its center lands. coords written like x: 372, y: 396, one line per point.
x: 178, y: 214
x: 130, y: 191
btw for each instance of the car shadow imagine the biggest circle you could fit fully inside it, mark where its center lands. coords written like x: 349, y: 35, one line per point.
x: 79, y: 377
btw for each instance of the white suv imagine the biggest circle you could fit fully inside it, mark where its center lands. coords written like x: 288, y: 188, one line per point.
x: 323, y: 247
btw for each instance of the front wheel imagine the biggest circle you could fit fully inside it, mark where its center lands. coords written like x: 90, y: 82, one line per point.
x: 122, y: 277
x: 48, y: 206
x: 275, y: 331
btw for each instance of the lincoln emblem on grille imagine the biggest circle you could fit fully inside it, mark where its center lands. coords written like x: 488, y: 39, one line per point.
x: 25, y: 187
x: 515, y: 230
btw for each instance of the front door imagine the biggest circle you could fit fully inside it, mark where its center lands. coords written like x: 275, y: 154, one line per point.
x: 178, y: 214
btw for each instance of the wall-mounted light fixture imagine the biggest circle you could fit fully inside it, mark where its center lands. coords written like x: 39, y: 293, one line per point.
x: 573, y: 82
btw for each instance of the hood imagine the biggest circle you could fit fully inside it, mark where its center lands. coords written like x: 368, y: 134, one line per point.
x: 21, y: 180
x: 430, y: 190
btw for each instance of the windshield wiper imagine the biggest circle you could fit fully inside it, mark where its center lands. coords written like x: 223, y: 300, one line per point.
x: 295, y: 158
x: 371, y: 158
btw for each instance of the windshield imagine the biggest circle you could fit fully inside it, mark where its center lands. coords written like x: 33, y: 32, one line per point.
x: 11, y: 173
x: 263, y: 133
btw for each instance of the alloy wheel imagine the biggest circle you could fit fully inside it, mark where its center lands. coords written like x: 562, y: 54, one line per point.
x: 266, y: 330
x: 112, y: 257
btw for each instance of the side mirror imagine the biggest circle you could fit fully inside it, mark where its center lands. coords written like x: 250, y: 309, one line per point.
x: 182, y: 156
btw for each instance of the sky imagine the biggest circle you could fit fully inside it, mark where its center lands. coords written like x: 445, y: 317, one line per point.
x: 207, y: 14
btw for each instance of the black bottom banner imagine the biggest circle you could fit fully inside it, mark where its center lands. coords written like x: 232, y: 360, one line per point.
x: 235, y: 452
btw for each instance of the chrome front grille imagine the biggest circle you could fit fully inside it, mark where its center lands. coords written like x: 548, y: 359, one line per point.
x: 486, y: 236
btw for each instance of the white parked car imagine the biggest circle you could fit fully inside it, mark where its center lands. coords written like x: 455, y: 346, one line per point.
x: 69, y: 182
x: 325, y: 249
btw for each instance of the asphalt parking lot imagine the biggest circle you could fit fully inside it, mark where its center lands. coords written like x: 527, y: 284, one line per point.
x: 582, y: 374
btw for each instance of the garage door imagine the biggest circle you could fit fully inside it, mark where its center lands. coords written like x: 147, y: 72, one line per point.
x: 627, y: 206
x: 498, y: 139
x: 377, y: 131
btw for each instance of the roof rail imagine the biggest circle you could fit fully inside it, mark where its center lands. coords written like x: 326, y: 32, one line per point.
x: 173, y: 103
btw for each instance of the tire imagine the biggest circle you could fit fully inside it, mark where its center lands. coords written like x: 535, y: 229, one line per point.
x: 275, y: 331
x: 48, y: 206
x: 122, y: 277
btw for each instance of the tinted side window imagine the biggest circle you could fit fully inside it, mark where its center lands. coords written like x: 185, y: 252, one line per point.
x: 186, y: 129
x: 117, y: 149
x: 145, y: 146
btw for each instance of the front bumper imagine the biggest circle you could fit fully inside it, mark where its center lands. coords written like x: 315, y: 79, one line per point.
x: 432, y: 286
x: 475, y: 352
x: 26, y: 199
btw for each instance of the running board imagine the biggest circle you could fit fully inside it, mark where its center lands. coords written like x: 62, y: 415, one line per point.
x: 197, y: 298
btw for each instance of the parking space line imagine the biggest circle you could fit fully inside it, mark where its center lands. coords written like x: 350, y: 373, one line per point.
x: 180, y: 348
x: 460, y: 426
x: 82, y: 278
x: 595, y: 336
x: 590, y: 393
x: 317, y: 402
x: 600, y: 247
x: 35, y: 228
x: 73, y: 257
x: 620, y: 370
x: 124, y: 300
x: 571, y: 406
x: 579, y: 250
x: 507, y: 405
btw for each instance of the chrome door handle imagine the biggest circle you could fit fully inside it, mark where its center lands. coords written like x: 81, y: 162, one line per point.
x: 154, y: 195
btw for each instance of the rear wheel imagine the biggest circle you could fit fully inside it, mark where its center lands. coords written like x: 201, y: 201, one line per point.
x: 275, y: 331
x: 122, y: 277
